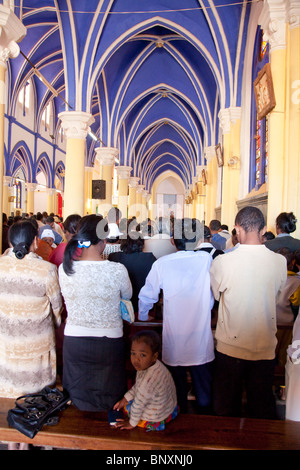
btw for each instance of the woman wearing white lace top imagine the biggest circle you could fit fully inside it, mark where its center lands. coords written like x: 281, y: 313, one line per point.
x: 93, y: 356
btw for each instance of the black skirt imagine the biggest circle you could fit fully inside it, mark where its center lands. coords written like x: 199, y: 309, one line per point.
x: 94, y: 371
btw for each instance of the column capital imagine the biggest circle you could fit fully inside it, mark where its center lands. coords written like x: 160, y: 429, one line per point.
x: 210, y: 153
x: 273, y: 19
x: 228, y: 116
x: 76, y: 124
x: 51, y: 191
x: 7, y: 180
x: 140, y: 188
x: 293, y: 13
x: 31, y: 186
x: 89, y: 169
x: 199, y: 170
x: 106, y: 155
x: 123, y: 172
x: 133, y: 181
x: 12, y: 31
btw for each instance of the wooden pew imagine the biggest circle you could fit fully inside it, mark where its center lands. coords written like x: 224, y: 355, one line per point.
x: 86, y: 430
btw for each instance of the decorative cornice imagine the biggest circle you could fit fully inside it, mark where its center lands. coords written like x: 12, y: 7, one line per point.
x: 76, y: 124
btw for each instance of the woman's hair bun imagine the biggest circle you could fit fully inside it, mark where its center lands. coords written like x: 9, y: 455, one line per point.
x: 20, y: 250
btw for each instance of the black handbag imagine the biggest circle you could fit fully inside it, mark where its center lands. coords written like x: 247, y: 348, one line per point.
x: 33, y: 411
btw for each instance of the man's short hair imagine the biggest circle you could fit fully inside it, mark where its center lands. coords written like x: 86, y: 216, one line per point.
x: 215, y: 225
x: 251, y: 219
x: 187, y: 233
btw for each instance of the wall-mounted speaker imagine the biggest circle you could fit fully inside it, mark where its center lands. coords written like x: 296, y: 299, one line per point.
x: 98, y: 189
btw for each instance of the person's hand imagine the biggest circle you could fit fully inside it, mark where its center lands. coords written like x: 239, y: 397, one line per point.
x: 149, y: 318
x: 120, y: 404
x: 123, y: 424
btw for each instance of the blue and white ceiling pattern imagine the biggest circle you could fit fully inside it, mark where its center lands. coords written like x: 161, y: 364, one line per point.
x: 154, y: 74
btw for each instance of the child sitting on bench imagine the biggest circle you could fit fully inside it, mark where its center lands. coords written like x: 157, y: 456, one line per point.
x: 151, y: 402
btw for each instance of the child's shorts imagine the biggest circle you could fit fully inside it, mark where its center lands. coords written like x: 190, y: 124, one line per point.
x: 150, y: 425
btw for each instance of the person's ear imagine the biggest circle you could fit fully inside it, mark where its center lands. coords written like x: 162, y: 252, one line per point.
x: 263, y: 231
x: 155, y: 356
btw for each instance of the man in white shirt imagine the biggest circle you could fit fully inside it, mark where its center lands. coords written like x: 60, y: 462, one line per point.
x: 187, y: 341
x: 246, y: 282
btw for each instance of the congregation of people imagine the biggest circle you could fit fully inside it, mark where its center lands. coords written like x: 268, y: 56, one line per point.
x: 225, y: 296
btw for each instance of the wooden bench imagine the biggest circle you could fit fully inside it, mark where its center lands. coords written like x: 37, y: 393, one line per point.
x: 91, y: 431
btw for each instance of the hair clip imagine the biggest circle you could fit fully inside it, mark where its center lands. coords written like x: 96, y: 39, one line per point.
x: 82, y: 244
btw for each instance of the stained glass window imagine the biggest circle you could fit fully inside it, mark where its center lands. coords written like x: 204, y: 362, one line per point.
x: 259, y: 128
x: 263, y: 47
x: 17, y: 191
x: 258, y: 152
x: 266, y: 146
x: 261, y: 153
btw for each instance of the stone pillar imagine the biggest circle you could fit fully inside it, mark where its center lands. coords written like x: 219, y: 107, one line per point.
x: 200, y: 191
x: 76, y: 126
x: 273, y: 22
x: 145, y: 196
x: 212, y: 183
x: 51, y: 200
x: 30, y: 187
x: 133, y: 183
x: 292, y: 168
x: 106, y: 157
x: 230, y: 122
x: 88, y: 190
x: 123, y: 173
x: 139, y: 202
x: 12, y: 31
x: 7, y: 193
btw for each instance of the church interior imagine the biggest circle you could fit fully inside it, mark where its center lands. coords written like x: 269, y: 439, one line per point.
x: 158, y: 108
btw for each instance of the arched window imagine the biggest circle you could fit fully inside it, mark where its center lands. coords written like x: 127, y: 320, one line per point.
x: 24, y: 97
x: 46, y: 116
x: 259, y: 128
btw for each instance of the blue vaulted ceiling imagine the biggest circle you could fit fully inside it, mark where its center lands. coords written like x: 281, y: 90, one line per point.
x: 154, y: 74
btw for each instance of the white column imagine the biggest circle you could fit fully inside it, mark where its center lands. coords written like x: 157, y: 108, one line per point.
x: 7, y: 193
x: 30, y: 187
x: 133, y: 183
x: 76, y: 126
x: 106, y: 157
x: 123, y: 173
